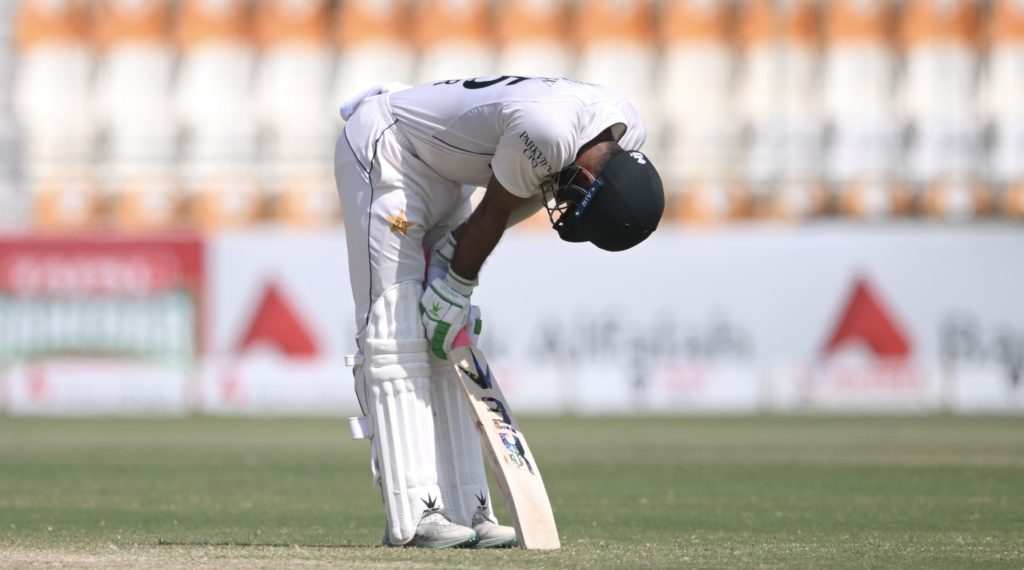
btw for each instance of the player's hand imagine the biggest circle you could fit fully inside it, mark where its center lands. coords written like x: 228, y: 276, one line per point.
x: 440, y: 258
x: 445, y: 306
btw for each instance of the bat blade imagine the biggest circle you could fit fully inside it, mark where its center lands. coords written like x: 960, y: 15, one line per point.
x: 508, y: 454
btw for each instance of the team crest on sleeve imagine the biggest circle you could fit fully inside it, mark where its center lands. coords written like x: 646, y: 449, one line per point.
x: 398, y: 224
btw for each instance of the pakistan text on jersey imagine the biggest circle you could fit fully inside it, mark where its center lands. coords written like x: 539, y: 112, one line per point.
x: 534, y: 154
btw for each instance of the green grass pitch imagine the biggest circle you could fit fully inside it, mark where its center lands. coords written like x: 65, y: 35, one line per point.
x: 761, y: 492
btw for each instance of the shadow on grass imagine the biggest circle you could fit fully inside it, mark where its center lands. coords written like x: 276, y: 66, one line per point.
x: 245, y: 544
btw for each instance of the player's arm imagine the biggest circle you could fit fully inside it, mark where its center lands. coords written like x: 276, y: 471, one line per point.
x: 445, y: 303
x: 478, y: 236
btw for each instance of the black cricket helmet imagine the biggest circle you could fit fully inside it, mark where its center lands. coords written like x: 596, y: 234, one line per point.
x: 615, y: 210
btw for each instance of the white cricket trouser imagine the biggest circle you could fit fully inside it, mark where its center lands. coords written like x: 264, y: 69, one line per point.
x: 392, y: 204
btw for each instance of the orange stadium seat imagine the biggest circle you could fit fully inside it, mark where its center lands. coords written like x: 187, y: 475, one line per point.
x: 940, y: 39
x: 201, y: 23
x: 216, y: 112
x: 49, y: 22
x: 133, y: 100
x: 453, y: 39
x: 373, y: 46
x: 800, y: 192
x: 759, y: 93
x: 294, y: 109
x: 292, y: 23
x: 117, y: 23
x: 532, y: 38
x: 780, y: 104
x: 1004, y: 91
x: 696, y: 98
x: 69, y: 201
x: 52, y: 90
x: 857, y: 89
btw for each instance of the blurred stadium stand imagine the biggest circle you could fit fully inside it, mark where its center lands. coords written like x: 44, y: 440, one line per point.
x: 452, y: 38
x: 133, y: 87
x: 530, y: 37
x: 701, y: 136
x: 53, y: 100
x: 154, y: 114
x: 372, y: 46
x: 11, y: 198
x: 294, y: 110
x: 943, y: 155
x: 1003, y: 112
x: 216, y: 101
x: 859, y: 77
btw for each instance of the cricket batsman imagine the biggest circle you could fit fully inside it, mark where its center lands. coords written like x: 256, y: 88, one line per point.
x: 405, y: 166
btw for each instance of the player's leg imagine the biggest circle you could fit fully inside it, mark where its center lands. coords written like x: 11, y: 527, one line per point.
x: 392, y: 374
x: 460, y: 462
x: 393, y: 383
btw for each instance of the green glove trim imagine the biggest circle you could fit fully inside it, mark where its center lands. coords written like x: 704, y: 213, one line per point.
x: 437, y: 343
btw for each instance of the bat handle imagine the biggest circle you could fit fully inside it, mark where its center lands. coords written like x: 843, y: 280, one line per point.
x: 462, y: 339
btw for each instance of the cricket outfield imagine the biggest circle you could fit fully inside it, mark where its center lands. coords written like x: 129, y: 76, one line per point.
x: 773, y: 492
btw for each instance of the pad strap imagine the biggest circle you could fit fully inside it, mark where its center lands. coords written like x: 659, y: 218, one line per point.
x: 360, y: 427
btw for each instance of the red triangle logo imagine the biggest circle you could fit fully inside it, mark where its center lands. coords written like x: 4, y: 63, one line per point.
x: 277, y: 323
x: 867, y: 320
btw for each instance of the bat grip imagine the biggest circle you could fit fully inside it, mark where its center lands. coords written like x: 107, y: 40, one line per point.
x: 462, y: 339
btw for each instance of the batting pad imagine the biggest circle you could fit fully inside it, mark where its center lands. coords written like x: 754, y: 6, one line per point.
x: 393, y: 384
x: 460, y: 460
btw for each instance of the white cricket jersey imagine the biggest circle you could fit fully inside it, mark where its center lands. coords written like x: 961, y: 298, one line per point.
x: 521, y: 129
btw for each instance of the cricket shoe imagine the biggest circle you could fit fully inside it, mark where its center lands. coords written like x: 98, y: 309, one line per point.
x: 490, y: 534
x: 436, y: 531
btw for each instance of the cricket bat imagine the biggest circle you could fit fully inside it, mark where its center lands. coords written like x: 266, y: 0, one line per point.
x: 510, y: 458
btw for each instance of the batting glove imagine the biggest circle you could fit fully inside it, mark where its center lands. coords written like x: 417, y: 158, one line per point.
x: 446, y: 309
